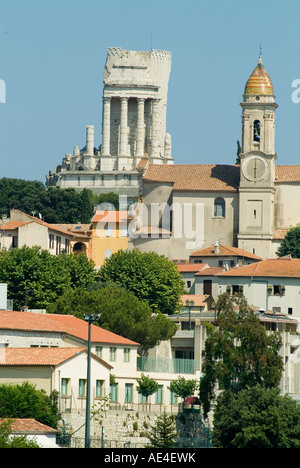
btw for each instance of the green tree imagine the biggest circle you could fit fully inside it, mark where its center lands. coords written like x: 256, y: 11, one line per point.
x: 86, y: 206
x: 15, y: 442
x: 182, y: 387
x: 238, y: 352
x: 36, y: 278
x: 121, y: 312
x: 291, y: 243
x: 256, y: 418
x: 163, y: 434
x: 25, y: 401
x: 146, y: 386
x: 149, y: 276
x: 56, y: 205
x: 238, y: 152
x: 110, y: 198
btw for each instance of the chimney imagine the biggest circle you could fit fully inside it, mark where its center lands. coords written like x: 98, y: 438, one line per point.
x: 217, y: 247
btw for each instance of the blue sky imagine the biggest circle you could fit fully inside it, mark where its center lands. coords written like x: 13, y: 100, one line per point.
x: 52, y: 56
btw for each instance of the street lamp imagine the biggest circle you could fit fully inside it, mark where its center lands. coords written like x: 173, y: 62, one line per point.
x: 214, y: 306
x: 189, y: 304
x: 89, y: 318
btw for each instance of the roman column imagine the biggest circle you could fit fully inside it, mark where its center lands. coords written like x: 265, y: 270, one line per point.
x: 140, y: 140
x: 155, y: 128
x: 106, y: 126
x: 124, y: 127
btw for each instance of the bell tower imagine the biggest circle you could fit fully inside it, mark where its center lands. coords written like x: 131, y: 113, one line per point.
x: 257, y: 159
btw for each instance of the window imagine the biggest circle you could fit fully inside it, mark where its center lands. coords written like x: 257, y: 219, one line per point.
x: 113, y: 392
x: 65, y: 386
x: 107, y: 253
x: 128, y: 392
x: 67, y: 245
x: 173, y: 398
x: 15, y: 242
x: 99, y: 388
x: 58, y: 245
x: 188, y: 284
x: 82, y: 387
x: 51, y: 241
x: 290, y: 310
x: 99, y: 351
x: 112, y: 354
x: 256, y: 131
x: 126, y: 355
x: 107, y: 230
x: 159, y: 395
x: 219, y: 208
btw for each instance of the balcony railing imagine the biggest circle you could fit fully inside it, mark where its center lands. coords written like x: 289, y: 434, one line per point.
x: 163, y: 365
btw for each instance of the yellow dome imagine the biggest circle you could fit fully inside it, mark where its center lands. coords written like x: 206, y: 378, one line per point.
x: 259, y: 82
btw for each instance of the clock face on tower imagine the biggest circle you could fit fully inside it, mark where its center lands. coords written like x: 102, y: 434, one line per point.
x: 255, y: 168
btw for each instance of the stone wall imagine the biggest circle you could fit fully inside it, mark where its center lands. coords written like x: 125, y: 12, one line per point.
x: 124, y: 428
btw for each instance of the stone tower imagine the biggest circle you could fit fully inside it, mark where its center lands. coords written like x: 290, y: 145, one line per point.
x: 257, y: 158
x: 134, y: 110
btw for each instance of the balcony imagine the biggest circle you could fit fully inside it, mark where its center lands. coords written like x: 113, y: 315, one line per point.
x: 167, y: 366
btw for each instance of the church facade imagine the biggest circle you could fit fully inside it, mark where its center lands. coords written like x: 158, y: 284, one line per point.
x: 250, y: 205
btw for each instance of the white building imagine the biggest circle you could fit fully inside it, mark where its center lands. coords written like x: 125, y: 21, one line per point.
x: 22, y: 229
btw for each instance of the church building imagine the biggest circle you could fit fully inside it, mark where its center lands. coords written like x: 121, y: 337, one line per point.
x: 250, y: 205
x: 182, y: 208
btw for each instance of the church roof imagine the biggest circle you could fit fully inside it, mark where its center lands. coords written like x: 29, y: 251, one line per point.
x: 259, y: 83
x: 287, y: 173
x: 210, y: 177
x: 198, y: 177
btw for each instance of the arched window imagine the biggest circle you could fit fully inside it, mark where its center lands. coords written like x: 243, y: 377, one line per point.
x: 256, y: 130
x: 219, y: 208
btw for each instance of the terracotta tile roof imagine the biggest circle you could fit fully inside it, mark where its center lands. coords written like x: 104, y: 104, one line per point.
x: 80, y: 230
x: 37, y: 356
x: 287, y: 173
x: 191, y: 267
x: 43, y: 223
x: 209, y: 271
x: 225, y: 251
x: 279, y: 267
x: 210, y: 177
x: 142, y: 164
x: 11, y: 225
x: 110, y: 216
x: 22, y: 425
x: 199, y: 177
x: 199, y: 300
x: 68, y: 324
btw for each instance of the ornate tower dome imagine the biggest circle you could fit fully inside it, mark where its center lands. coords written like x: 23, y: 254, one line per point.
x: 259, y: 83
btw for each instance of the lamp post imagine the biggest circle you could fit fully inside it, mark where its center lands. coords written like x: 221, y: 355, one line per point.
x: 189, y: 304
x: 214, y: 306
x: 88, y: 318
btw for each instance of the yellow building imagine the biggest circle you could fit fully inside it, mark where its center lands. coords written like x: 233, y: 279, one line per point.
x: 109, y: 234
